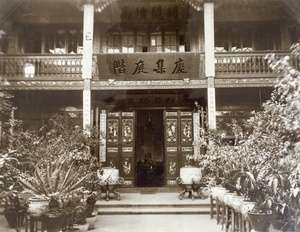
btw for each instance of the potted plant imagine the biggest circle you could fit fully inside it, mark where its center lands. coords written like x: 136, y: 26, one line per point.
x: 54, y: 181
x: 91, y: 213
x: 15, y: 207
x: 76, y: 214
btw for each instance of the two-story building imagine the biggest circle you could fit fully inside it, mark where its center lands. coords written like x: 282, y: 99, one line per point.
x: 134, y: 69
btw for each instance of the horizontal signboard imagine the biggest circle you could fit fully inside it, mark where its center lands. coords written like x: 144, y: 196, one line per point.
x: 149, y: 66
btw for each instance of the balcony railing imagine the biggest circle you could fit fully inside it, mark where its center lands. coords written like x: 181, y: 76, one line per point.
x: 254, y: 64
x: 69, y: 67
x: 41, y: 67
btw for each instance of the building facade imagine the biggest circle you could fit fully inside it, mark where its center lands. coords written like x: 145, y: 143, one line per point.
x: 135, y: 69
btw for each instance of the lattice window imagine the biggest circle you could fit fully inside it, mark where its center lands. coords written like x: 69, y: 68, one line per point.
x: 142, y: 43
x: 156, y: 42
x: 113, y: 43
x: 170, y: 42
x: 127, y: 43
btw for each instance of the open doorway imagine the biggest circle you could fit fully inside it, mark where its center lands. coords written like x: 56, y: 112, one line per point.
x: 150, y: 148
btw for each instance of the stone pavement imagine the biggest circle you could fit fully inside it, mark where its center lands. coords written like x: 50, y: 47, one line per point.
x: 148, y: 222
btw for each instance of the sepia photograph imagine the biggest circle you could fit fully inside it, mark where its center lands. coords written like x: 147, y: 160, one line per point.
x: 150, y: 115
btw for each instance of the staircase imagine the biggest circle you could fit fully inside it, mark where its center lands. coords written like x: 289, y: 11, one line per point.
x: 152, y: 201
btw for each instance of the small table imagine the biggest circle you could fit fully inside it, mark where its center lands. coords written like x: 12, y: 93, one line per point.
x: 111, y: 188
x: 33, y: 223
x: 190, y: 188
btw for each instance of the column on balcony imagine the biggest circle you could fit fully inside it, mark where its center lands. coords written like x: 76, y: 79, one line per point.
x: 209, y: 62
x: 88, y: 31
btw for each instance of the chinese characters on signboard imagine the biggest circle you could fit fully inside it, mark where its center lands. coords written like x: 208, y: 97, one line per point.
x: 119, y: 67
x: 157, y: 12
x: 150, y: 66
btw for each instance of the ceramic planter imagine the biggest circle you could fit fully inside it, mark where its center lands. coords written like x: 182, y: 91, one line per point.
x: 14, y: 217
x: 53, y: 220
x: 221, y: 194
x: 81, y: 228
x: 260, y: 222
x: 237, y: 203
x: 246, y: 207
x: 37, y: 206
x: 91, y: 221
x: 110, y: 176
x: 109, y: 180
x: 190, y: 179
x: 190, y: 175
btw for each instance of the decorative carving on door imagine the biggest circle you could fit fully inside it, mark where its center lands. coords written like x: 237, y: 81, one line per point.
x: 127, y: 131
x: 172, y: 166
x: 171, y: 131
x: 112, y: 131
x: 186, y: 131
x: 127, y: 166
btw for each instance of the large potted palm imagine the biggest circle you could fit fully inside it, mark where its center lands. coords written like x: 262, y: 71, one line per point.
x: 53, y: 181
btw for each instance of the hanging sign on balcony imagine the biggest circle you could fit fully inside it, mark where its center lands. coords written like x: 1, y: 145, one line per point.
x: 150, y: 66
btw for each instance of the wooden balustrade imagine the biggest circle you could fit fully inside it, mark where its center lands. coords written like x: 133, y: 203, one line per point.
x: 69, y: 67
x: 247, y: 64
x: 42, y: 67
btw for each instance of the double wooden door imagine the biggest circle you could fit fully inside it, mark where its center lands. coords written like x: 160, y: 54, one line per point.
x: 148, y: 150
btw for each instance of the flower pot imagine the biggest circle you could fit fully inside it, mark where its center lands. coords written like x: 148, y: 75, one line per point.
x: 228, y: 198
x: 221, y: 194
x: 260, y: 222
x: 37, y: 206
x: 53, y: 220
x: 282, y: 224
x: 190, y: 175
x: 91, y: 221
x: 246, y: 207
x: 237, y: 203
x: 14, y: 217
x: 110, y: 176
x: 78, y: 228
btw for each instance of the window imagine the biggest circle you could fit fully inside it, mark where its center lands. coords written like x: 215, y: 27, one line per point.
x: 221, y: 40
x: 184, y: 43
x: 75, y: 41
x: 156, y: 42
x: 170, y: 42
x: 32, y: 40
x: 113, y: 43
x: 127, y: 43
x: 63, y: 41
x: 142, y: 43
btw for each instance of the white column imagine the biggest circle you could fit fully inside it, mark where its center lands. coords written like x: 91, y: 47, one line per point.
x: 209, y: 36
x: 87, y: 61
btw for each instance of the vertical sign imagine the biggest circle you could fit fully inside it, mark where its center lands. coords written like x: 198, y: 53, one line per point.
x: 102, y: 129
x: 86, y: 109
x: 196, y: 122
x: 211, y: 103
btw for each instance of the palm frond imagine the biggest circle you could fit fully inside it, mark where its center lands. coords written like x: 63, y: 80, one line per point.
x: 75, y: 186
x: 40, y: 179
x: 68, y: 175
x: 27, y: 185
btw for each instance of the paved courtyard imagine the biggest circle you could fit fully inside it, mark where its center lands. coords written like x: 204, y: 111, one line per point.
x: 146, y: 223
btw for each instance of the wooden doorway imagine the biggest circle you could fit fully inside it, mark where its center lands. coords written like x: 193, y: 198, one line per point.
x: 150, y: 148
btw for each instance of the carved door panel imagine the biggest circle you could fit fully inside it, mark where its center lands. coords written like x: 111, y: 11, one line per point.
x: 120, y: 144
x: 179, y: 136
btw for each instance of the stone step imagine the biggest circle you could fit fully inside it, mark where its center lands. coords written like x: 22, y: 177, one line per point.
x: 158, y: 203
x: 152, y: 210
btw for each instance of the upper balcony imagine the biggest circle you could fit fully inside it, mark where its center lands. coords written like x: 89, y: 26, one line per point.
x: 151, y: 66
